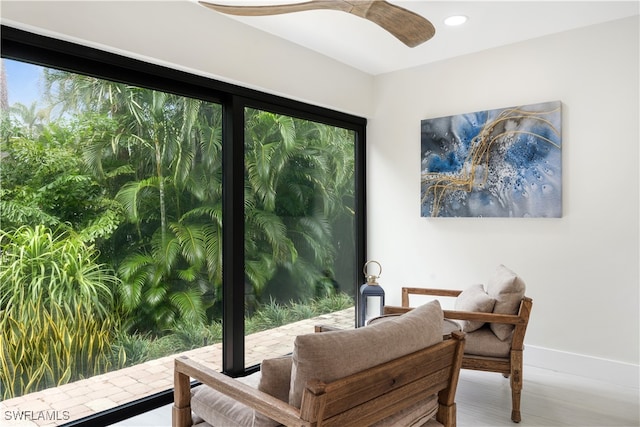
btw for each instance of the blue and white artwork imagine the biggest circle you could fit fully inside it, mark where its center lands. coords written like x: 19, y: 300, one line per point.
x: 497, y: 163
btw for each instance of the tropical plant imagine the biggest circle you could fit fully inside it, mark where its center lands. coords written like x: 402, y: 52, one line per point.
x: 43, y: 267
x: 45, y: 182
x: 30, y: 117
x: 46, y: 346
x: 57, y: 315
x: 131, y: 349
x: 158, y: 157
x: 190, y: 336
x: 300, y: 180
x: 176, y: 210
x: 274, y: 314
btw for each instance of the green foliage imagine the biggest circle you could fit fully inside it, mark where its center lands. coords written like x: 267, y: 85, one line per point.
x: 183, y: 336
x: 269, y: 316
x: 57, y: 314
x: 44, y: 182
x: 47, y: 346
x: 276, y: 314
x: 41, y: 266
x: 196, y: 335
x: 131, y: 349
x: 161, y: 287
x: 31, y: 119
x: 137, y: 174
x: 301, y: 180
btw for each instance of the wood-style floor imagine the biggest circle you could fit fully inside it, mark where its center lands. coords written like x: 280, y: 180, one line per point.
x: 484, y: 399
x: 548, y: 399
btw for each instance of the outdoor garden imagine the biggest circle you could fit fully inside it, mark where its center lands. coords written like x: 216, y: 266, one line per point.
x: 111, y: 226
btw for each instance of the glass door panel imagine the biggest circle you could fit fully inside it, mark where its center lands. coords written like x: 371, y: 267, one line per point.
x: 110, y: 241
x: 300, y: 237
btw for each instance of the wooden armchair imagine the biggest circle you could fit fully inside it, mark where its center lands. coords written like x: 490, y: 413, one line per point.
x: 484, y: 351
x: 409, y: 386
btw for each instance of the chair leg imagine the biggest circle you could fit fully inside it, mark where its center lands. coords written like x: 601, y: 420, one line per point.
x: 516, y: 384
x: 181, y: 410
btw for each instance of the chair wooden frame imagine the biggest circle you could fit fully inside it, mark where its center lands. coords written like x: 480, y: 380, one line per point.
x: 359, y: 399
x: 510, y: 366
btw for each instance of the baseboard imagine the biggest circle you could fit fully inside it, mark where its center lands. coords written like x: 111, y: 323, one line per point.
x: 624, y: 374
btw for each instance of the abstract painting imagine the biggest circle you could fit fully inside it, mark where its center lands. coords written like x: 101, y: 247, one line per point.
x: 497, y: 163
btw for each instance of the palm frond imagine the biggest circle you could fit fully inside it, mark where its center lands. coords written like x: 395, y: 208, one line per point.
x: 15, y: 213
x: 132, y: 194
x: 191, y: 241
x: 189, y: 304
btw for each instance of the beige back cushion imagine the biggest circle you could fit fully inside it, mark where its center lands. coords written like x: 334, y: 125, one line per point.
x: 508, y: 289
x: 329, y: 356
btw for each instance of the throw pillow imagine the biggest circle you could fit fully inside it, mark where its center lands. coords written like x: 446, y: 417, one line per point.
x: 508, y: 290
x: 276, y: 376
x: 476, y: 299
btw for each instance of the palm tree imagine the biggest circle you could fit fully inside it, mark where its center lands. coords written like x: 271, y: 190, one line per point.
x: 4, y: 95
x: 158, y: 155
x: 299, y: 179
x: 32, y: 118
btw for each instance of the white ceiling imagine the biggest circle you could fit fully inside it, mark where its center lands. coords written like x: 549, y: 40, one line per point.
x: 367, y: 47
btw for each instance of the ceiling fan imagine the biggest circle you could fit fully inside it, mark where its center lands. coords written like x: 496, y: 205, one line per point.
x: 407, y: 26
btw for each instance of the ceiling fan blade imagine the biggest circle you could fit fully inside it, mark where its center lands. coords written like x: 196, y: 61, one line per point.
x: 279, y: 9
x: 407, y: 26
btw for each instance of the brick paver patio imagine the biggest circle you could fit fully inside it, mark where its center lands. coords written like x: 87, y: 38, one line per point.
x: 58, y: 405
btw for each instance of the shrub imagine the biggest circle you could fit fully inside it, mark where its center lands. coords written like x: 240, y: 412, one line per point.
x: 46, y: 347
x: 41, y: 266
x: 56, y: 310
x: 275, y: 314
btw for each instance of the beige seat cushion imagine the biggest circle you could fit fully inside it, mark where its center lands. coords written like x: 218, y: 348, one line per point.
x: 216, y: 409
x: 474, y: 298
x: 508, y: 290
x: 329, y: 356
x: 483, y: 342
x: 219, y: 410
x: 419, y: 414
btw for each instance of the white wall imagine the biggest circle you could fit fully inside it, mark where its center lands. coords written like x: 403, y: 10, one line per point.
x: 581, y: 270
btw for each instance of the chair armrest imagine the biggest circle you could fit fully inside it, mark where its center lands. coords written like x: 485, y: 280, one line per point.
x: 406, y: 291
x: 394, y: 309
x: 262, y: 402
x: 509, y: 319
x: 457, y: 315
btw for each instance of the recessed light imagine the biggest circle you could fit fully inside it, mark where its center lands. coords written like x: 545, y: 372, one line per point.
x: 455, y: 20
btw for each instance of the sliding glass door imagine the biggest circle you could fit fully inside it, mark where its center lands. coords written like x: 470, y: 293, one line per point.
x: 299, y: 228
x: 111, y: 234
